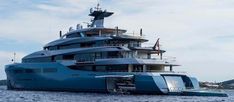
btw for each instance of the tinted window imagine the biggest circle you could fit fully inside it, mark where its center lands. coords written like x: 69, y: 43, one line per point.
x: 68, y: 57
x: 85, y: 68
x: 88, y: 44
x: 49, y: 70
x: 73, y: 35
x: 17, y: 71
x: 52, y: 48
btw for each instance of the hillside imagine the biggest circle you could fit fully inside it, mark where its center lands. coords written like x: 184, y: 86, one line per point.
x: 227, y: 84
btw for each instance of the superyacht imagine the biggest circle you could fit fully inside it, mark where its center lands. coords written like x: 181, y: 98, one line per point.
x: 100, y: 59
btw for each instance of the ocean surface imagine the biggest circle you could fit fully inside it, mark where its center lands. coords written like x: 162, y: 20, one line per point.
x: 43, y: 96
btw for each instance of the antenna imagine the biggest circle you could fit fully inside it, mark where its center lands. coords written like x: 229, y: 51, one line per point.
x: 13, y: 60
x: 60, y: 33
x: 117, y: 30
x: 98, y: 6
x: 141, y: 32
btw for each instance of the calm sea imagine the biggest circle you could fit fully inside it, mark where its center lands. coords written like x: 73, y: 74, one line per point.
x: 41, y: 96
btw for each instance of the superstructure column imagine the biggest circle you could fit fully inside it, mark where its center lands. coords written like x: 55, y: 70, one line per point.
x: 171, y: 68
x: 144, y: 68
x: 161, y: 56
x: 130, y: 68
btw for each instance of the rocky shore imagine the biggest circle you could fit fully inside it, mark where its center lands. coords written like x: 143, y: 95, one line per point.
x: 220, y: 85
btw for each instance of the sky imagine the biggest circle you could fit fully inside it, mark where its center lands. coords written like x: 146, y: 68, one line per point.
x: 199, y: 33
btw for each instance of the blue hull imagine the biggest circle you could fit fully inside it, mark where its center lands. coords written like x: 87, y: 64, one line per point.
x: 65, y: 79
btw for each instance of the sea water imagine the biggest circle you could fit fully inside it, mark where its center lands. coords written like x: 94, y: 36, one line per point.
x: 43, y: 96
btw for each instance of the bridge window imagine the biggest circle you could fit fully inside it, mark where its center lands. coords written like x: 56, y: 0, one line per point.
x: 73, y: 35
x: 53, y: 48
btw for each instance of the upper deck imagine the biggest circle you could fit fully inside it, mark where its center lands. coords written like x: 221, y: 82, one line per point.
x: 102, y: 46
x: 93, y: 31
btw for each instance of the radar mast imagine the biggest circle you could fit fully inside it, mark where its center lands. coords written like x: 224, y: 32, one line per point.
x: 99, y: 15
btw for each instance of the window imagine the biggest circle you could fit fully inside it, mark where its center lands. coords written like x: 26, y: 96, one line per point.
x: 68, y: 57
x: 100, y: 43
x: 85, y: 57
x: 28, y: 71
x: 53, y: 58
x: 73, y: 35
x: 134, y: 44
x: 32, y: 70
x: 101, y: 68
x: 49, y: 70
x: 53, y: 48
x: 75, y: 45
x: 137, y: 68
x: 39, y: 60
x: 18, y: 71
x: 24, y: 79
x: 117, y: 68
x: 98, y: 55
x: 88, y: 44
x: 84, y: 68
x: 45, y: 48
x: 114, y: 54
